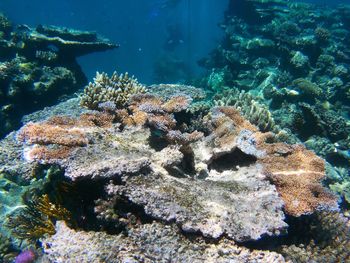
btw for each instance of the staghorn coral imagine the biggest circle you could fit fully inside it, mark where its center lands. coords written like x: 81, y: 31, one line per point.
x: 36, y: 218
x: 116, y: 89
x: 256, y: 112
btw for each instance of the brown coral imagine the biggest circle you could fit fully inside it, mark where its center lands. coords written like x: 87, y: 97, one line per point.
x: 39, y: 153
x: 58, y: 136
x: 177, y: 104
x: 227, y: 123
x: 297, y: 174
x: 45, y: 133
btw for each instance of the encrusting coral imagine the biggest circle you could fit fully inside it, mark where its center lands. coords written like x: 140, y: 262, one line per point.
x: 146, y: 243
x: 116, y: 89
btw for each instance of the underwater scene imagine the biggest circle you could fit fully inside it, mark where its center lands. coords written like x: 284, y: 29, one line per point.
x: 174, y: 131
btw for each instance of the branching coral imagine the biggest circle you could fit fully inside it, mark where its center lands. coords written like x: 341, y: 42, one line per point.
x: 257, y: 113
x: 116, y: 89
x: 36, y: 219
x: 307, y: 88
x: 159, y: 114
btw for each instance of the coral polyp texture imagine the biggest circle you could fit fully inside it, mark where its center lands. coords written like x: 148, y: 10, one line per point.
x: 116, y: 89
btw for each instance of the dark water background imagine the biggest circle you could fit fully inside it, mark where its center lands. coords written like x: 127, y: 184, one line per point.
x: 150, y: 32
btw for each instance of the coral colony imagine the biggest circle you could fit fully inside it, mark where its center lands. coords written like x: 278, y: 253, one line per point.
x: 251, y: 167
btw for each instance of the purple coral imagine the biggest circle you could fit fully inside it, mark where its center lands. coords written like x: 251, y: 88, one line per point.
x: 26, y: 256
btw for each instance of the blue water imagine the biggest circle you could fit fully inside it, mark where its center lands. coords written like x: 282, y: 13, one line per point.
x: 139, y: 26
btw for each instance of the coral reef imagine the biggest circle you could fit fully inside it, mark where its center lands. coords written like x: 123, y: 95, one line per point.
x: 129, y: 155
x: 170, y: 172
x: 35, y: 219
x: 257, y: 113
x: 116, y: 89
x: 294, y: 59
x: 138, y: 169
x: 149, y: 243
x: 329, y: 241
x: 38, y: 66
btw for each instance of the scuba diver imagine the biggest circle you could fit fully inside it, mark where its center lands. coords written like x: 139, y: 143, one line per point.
x: 175, y: 37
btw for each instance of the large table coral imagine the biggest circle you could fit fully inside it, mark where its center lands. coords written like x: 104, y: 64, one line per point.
x: 38, y: 65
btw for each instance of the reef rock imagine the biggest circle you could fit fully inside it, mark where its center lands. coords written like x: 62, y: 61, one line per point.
x: 215, y: 185
x: 146, y: 243
x: 138, y: 164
